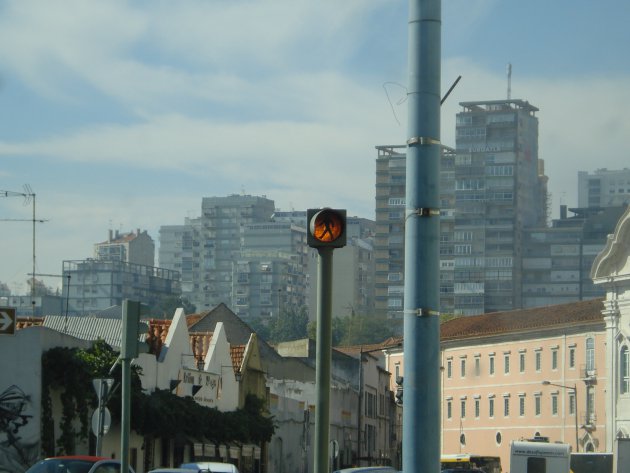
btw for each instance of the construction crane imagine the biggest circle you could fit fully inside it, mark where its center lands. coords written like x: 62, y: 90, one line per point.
x: 29, y: 196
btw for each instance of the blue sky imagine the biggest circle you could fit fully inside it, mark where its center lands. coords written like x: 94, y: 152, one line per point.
x: 124, y: 114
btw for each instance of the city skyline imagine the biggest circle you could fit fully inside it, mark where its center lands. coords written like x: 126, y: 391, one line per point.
x: 120, y: 109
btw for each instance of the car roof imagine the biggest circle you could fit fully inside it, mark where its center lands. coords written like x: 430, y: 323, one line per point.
x: 77, y: 457
x: 171, y: 470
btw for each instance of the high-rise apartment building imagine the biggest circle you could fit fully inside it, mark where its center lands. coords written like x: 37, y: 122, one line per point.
x: 206, y: 248
x: 492, y: 187
x: 390, y: 230
x: 94, y: 285
x: 557, y: 260
x: 270, y: 275
x: 498, y: 192
x: 604, y: 188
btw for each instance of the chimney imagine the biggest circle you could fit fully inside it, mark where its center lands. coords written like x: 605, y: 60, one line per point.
x: 110, y: 235
x: 563, y: 212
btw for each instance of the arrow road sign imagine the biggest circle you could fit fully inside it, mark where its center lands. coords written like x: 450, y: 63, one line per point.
x: 7, y: 320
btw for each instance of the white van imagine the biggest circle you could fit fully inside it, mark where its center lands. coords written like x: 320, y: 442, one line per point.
x: 540, y: 457
x: 212, y: 467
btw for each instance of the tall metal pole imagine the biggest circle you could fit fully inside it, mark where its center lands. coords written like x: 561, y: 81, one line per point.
x: 421, y: 411
x: 323, y: 359
x: 125, y: 421
x: 575, y: 414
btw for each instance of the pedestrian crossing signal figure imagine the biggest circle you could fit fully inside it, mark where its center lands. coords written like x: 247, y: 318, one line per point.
x: 326, y: 228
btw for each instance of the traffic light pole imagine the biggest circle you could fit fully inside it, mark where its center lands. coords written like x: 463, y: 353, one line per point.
x: 323, y: 358
x: 421, y: 411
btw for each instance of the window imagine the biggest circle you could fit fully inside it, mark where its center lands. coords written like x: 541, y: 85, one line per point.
x: 462, y: 363
x: 521, y: 359
x: 624, y: 371
x: 554, y: 359
x: 449, y: 369
x: 554, y: 404
x: 449, y: 409
x: 537, y: 404
x: 477, y: 366
x: 477, y: 408
x: 506, y: 363
x: 572, y: 404
x: 572, y: 357
x: 491, y: 407
x: 506, y: 406
x: 463, y: 408
x: 521, y: 406
x: 538, y: 360
x: 491, y: 365
x: 590, y: 354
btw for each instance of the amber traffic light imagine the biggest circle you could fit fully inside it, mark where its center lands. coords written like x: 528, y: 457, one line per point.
x: 326, y: 228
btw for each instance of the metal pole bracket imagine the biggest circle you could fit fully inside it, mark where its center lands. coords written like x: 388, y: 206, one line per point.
x: 422, y: 312
x: 422, y: 140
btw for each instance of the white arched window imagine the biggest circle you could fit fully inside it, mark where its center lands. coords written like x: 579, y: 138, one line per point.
x: 624, y: 371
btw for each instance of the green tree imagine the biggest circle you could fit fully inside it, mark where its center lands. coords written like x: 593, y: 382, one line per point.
x: 40, y: 288
x: 338, y: 330
x: 366, y: 329
x: 165, y: 308
x: 289, y: 325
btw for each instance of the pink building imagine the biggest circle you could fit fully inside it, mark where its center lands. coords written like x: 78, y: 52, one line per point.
x: 516, y: 375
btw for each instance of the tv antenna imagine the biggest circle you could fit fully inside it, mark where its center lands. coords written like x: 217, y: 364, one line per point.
x: 29, y: 196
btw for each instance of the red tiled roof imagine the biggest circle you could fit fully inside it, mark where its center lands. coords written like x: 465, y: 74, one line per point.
x: 158, y: 329
x: 192, y: 319
x: 570, y: 314
x: 200, y: 342
x: 237, y: 352
x: 23, y: 322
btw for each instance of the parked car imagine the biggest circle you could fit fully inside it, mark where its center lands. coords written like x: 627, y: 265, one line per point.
x: 212, y: 467
x: 368, y: 469
x: 462, y: 470
x: 77, y: 464
x: 178, y: 470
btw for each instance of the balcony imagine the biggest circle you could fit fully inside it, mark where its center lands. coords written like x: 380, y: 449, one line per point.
x: 588, y: 373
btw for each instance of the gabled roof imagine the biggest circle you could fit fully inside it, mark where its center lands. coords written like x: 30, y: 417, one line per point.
x: 237, y: 331
x: 574, y: 314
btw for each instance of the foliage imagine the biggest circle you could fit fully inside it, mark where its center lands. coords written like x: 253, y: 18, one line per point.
x: 261, y: 326
x: 70, y: 371
x: 289, y: 325
x: 165, y: 308
x: 40, y: 288
x: 338, y: 330
x: 358, y: 330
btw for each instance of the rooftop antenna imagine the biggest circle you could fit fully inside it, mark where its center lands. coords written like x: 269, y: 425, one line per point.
x: 29, y: 196
x: 509, y: 78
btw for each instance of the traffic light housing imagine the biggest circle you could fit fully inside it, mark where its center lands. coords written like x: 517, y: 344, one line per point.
x: 133, y: 331
x: 326, y: 228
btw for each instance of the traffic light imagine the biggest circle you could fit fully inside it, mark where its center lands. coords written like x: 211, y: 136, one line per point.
x: 326, y: 228
x: 133, y: 331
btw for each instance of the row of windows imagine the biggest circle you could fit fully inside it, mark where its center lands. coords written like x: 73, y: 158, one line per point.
x: 522, y: 406
x: 522, y: 361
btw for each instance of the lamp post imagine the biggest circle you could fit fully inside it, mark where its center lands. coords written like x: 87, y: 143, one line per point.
x: 574, y: 389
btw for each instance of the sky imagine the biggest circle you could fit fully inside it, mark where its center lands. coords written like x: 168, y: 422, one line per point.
x: 123, y: 115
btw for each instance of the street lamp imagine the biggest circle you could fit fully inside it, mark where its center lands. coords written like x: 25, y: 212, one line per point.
x: 574, y: 389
